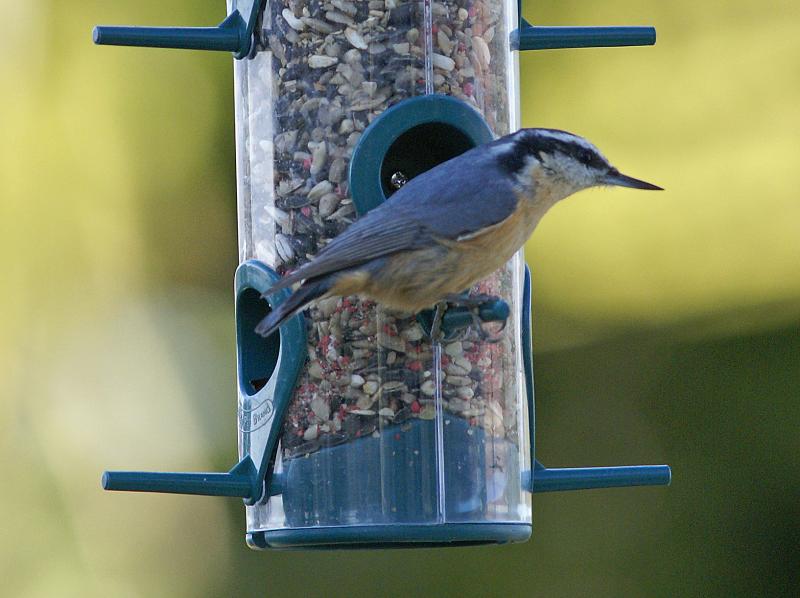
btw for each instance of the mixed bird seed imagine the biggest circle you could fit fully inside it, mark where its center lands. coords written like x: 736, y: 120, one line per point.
x: 320, y: 73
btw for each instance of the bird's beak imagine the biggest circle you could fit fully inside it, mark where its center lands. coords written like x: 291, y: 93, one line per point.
x: 623, y: 180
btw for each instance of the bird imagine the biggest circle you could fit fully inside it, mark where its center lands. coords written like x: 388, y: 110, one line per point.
x: 450, y: 226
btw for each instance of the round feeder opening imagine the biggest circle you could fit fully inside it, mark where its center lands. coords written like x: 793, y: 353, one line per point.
x: 419, y: 149
x: 258, y: 356
x: 408, y: 139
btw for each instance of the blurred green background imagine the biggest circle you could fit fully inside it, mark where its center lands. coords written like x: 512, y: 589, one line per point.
x: 667, y: 326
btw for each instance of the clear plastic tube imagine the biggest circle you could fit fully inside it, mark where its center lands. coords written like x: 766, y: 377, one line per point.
x: 380, y: 430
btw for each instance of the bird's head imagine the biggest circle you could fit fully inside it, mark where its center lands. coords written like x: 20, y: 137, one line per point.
x: 559, y: 163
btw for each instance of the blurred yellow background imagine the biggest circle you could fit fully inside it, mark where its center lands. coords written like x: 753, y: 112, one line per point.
x: 667, y: 326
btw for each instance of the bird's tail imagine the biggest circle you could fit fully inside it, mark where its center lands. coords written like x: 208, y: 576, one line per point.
x: 308, y: 291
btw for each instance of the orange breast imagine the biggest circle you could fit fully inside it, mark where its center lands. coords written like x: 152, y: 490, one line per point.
x: 415, y: 280
x: 488, y: 250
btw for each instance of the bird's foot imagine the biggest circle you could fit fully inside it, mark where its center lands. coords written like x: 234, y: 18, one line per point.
x: 474, y: 303
x: 436, y: 325
x: 485, y: 335
x: 456, y: 316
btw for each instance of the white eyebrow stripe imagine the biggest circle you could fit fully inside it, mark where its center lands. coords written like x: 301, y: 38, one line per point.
x: 567, y: 138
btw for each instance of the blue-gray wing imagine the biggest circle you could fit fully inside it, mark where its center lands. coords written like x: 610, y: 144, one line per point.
x: 459, y: 197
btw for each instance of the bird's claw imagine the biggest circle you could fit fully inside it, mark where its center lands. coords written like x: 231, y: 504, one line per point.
x: 473, y: 302
x: 436, y: 325
x: 483, y: 334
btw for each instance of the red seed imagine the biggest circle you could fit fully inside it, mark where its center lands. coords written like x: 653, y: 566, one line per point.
x: 415, y: 407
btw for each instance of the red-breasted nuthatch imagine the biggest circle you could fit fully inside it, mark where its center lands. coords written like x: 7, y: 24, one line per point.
x: 451, y: 226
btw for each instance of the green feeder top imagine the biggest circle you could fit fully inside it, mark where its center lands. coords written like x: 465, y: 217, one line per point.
x: 235, y: 34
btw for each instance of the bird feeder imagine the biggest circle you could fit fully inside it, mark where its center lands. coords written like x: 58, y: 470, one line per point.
x: 355, y: 429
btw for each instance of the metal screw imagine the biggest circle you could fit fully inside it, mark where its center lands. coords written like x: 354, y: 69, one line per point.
x: 398, y: 179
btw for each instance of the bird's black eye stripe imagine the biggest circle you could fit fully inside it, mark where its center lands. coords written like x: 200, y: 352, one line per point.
x: 533, y: 144
x: 590, y: 159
